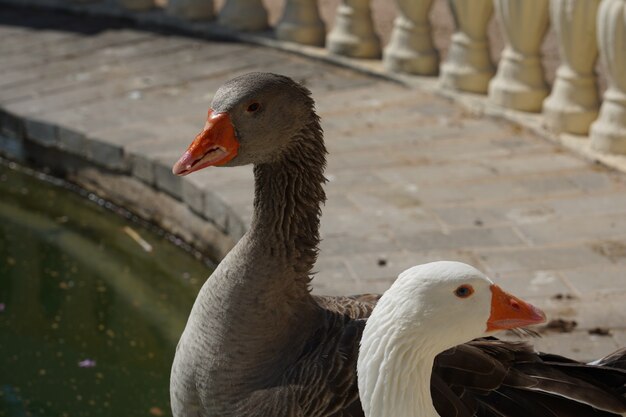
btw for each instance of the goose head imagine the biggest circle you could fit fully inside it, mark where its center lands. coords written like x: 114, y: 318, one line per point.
x: 455, y: 301
x: 252, y: 120
x: 429, y: 308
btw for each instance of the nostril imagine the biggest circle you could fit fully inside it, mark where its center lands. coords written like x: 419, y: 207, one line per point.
x: 514, y: 304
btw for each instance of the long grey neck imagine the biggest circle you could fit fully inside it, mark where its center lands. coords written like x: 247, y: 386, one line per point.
x: 288, y: 196
x: 255, y: 314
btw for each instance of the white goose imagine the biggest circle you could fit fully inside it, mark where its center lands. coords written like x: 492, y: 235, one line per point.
x: 436, y: 307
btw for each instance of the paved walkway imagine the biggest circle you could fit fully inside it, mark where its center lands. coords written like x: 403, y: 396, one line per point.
x: 412, y: 177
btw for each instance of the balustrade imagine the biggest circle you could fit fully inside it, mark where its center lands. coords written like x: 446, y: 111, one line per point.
x: 468, y: 66
x: 301, y: 23
x: 519, y: 83
x: 411, y: 48
x: 608, y: 133
x: 353, y: 34
x: 573, y: 103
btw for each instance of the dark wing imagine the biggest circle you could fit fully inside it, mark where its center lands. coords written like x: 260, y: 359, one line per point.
x: 325, y: 379
x: 489, y: 377
x: 616, y: 360
x: 355, y: 306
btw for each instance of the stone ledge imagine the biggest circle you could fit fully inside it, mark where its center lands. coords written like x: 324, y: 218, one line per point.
x: 475, y: 103
x: 157, y: 207
x: 105, y: 169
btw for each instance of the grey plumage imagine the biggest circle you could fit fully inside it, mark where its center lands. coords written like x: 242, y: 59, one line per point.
x: 257, y: 343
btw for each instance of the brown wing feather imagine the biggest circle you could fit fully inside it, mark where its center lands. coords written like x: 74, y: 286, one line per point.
x: 355, y: 306
x: 323, y: 381
x: 493, y: 377
x: 615, y: 360
x: 325, y: 378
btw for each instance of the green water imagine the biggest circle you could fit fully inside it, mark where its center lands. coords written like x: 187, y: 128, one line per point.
x: 77, y: 288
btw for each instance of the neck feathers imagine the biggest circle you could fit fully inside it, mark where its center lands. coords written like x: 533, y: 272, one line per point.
x: 288, y: 196
x: 394, y: 371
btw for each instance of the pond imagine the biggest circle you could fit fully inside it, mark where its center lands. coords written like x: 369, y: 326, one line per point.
x: 91, y: 303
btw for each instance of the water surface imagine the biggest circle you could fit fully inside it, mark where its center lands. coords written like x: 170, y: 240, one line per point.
x: 91, y: 305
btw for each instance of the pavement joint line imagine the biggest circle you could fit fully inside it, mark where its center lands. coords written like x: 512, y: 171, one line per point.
x: 529, y: 242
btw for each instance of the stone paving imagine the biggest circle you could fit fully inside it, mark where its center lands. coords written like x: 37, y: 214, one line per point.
x: 412, y: 178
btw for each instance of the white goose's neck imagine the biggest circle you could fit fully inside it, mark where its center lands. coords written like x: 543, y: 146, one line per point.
x: 419, y: 317
x: 394, y: 375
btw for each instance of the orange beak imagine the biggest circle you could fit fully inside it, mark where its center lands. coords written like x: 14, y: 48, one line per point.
x: 509, y: 312
x: 215, y: 145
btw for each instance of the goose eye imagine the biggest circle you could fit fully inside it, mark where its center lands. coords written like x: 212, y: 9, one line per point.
x: 464, y: 291
x: 253, y: 107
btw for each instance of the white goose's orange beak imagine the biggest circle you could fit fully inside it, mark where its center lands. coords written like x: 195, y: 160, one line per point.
x: 509, y: 312
x: 215, y: 145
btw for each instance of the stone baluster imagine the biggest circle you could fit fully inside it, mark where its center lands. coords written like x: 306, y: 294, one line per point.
x: 519, y: 82
x: 191, y: 9
x: 411, y: 47
x: 136, y: 5
x: 244, y: 15
x: 573, y: 103
x: 608, y: 133
x: 301, y: 23
x: 353, y: 34
x: 468, y: 66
